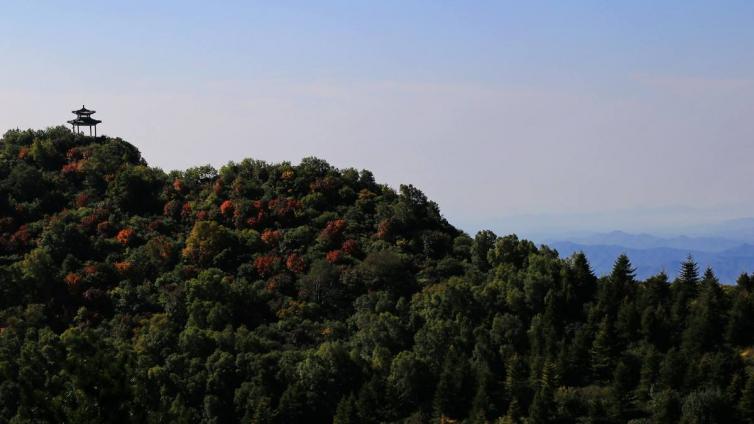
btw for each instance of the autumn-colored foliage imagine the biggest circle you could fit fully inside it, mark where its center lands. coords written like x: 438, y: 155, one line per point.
x: 22, y: 236
x: 123, y: 266
x: 226, y: 208
x: 350, y: 246
x: 323, y: 184
x: 81, y: 200
x: 125, y: 236
x: 333, y: 230
x: 70, y: 168
x: 161, y: 249
x: 206, y: 240
x: 266, y: 265
x: 334, y: 256
x: 383, y: 229
x: 72, y: 279
x: 186, y: 210
x: 271, y: 236
x: 295, y: 263
x: 73, y: 154
x: 365, y: 195
x: 89, y: 221
x: 317, y: 295
x: 172, y: 208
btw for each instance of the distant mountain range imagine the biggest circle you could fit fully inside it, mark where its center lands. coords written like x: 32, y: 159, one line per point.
x: 651, y: 254
x: 648, y: 241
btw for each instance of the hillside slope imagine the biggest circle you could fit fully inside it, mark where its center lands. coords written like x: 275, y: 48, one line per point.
x: 288, y: 293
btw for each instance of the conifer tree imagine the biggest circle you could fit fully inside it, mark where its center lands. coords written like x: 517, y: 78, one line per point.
x: 746, y: 405
x: 514, y: 414
x: 346, y: 411
x: 684, y: 290
x: 705, y: 323
x: 601, y: 352
x: 542, y: 407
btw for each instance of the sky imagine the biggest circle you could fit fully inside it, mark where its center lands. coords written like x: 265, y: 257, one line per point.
x: 515, y: 116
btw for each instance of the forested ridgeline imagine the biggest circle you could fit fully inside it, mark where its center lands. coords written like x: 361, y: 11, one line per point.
x: 303, y: 293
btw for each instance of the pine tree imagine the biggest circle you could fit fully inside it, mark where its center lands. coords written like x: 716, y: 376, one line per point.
x: 542, y: 406
x: 684, y: 290
x: 746, y: 405
x: 369, y: 403
x: 619, y: 284
x: 514, y: 414
x: 622, y: 384
x: 705, y: 324
x: 346, y: 413
x: 449, y: 399
x: 515, y: 378
x: 623, y: 276
x: 601, y: 352
x: 580, y: 285
x: 481, y: 403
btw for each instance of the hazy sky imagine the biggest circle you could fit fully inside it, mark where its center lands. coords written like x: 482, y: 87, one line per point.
x: 597, y: 114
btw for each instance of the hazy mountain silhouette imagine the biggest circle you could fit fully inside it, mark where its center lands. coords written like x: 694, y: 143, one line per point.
x: 728, y: 264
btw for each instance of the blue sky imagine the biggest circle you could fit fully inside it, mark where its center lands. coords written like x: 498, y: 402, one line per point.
x: 511, y: 115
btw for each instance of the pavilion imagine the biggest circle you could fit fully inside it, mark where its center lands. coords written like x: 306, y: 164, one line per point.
x: 84, y: 119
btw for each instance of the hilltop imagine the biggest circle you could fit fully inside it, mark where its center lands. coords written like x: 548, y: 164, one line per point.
x: 287, y: 293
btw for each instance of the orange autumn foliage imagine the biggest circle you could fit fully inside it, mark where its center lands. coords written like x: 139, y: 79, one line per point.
x: 125, y: 236
x: 334, y: 256
x: 333, y: 229
x: 186, y: 210
x: 383, y: 229
x: 350, y: 247
x: 226, y: 208
x: 295, y: 263
x: 72, y: 279
x: 265, y: 265
x: 123, y: 266
x: 271, y: 236
x: 287, y: 175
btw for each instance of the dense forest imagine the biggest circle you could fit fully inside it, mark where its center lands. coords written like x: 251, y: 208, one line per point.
x: 280, y: 293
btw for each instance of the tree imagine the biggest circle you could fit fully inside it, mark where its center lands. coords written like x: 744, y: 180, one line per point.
x: 746, y: 404
x: 602, y: 355
x: 684, y: 290
x: 207, y: 240
x: 483, y: 242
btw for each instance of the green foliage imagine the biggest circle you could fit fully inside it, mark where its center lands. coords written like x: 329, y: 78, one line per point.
x: 280, y: 293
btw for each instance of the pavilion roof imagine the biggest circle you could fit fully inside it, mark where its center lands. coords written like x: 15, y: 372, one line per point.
x: 83, y: 111
x: 84, y: 120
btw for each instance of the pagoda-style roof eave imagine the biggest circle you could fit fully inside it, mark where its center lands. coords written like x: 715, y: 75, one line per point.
x: 84, y: 121
x: 83, y: 109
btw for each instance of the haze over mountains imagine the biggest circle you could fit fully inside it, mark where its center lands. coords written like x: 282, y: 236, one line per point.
x: 728, y: 247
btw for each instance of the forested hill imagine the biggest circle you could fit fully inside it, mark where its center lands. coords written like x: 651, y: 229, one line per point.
x: 302, y: 293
